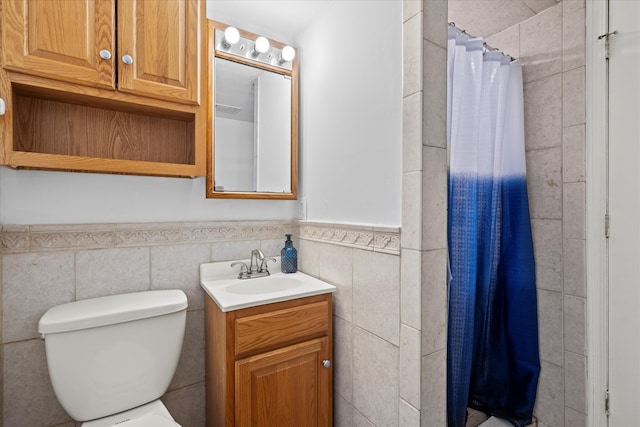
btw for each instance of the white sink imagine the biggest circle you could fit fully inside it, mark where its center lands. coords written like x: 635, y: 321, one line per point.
x: 221, y: 283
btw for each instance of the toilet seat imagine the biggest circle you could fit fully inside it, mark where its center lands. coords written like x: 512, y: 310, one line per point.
x: 150, y: 420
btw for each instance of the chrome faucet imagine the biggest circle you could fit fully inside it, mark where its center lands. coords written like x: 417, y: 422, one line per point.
x: 257, y: 265
x: 256, y: 255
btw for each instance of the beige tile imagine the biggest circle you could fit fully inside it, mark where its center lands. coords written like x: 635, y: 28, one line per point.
x: 434, y: 301
x: 435, y: 22
x: 376, y: 294
x: 573, y: 39
x: 409, y: 416
x: 541, y: 44
x: 544, y: 182
x: 574, y: 418
x: 547, y: 244
x: 410, y: 365
x: 539, y: 5
x: 234, y: 250
x: 28, y: 395
x: 507, y: 41
x: 411, y: 210
x: 336, y: 267
x: 412, y: 133
x: 573, y: 207
x: 111, y: 271
x: 272, y: 247
x: 190, y: 368
x: 571, y: 6
x: 309, y: 257
x: 410, y: 8
x: 573, y: 154
x: 487, y: 17
x: 543, y: 112
x: 434, y: 390
x: 343, y: 356
x: 434, y: 198
x: 33, y: 283
x: 412, y: 55
x: 187, y: 405
x: 549, y: 409
x: 434, y: 123
x: 342, y: 412
x: 410, y: 288
x: 574, y: 266
x: 573, y: 97
x: 575, y: 321
x: 360, y: 420
x: 178, y: 267
x: 375, y: 378
x: 575, y: 374
x: 550, y: 326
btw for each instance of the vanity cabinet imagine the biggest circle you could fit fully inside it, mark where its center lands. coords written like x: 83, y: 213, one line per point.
x: 104, y: 85
x: 270, y: 365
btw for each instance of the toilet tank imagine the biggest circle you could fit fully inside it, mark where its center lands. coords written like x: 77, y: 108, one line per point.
x: 110, y: 354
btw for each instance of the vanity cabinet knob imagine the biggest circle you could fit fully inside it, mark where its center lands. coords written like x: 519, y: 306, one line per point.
x: 105, y: 54
x: 127, y: 59
x: 326, y: 363
x: 3, y: 107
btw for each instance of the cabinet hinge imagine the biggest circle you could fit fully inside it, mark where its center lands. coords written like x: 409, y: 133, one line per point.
x: 606, y: 225
x: 607, y: 401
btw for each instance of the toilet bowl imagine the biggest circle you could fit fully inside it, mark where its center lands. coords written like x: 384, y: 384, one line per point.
x: 110, y: 359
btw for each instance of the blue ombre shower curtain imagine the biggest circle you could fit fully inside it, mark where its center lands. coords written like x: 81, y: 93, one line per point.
x: 492, y: 347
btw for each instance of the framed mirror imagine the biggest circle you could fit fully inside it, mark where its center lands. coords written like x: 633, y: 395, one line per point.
x: 252, y: 146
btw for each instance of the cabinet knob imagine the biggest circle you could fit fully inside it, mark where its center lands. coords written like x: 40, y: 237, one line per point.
x: 105, y: 54
x: 326, y: 363
x: 3, y: 107
x: 127, y: 59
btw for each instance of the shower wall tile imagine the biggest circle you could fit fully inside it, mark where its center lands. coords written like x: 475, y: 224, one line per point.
x: 409, y: 416
x: 575, y: 373
x: 574, y: 262
x: 508, y: 41
x: 308, y: 257
x: 543, y: 113
x: 434, y: 301
x: 375, y: 378
x: 412, y: 55
x: 177, y: 267
x: 410, y: 288
x: 412, y: 210
x: 409, y: 365
x: 572, y: 5
x: 376, y: 294
x: 547, y: 245
x: 434, y: 198
x: 573, y: 206
x: 112, y: 271
x: 342, y: 412
x: 434, y: 121
x: 539, y: 5
x: 575, y: 317
x: 573, y: 38
x: 230, y: 251
x: 549, y: 408
x: 574, y: 418
x: 343, y: 356
x: 359, y: 420
x: 541, y: 44
x: 336, y: 267
x: 190, y: 368
x: 410, y: 8
x: 550, y: 326
x: 28, y: 395
x: 573, y: 154
x: 185, y: 405
x: 32, y: 283
x: 435, y: 23
x: 434, y: 390
x: 573, y: 97
x: 412, y: 133
x: 544, y: 181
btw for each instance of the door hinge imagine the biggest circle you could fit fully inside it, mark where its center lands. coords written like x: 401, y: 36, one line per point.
x: 607, y: 401
x: 606, y: 225
x: 606, y: 36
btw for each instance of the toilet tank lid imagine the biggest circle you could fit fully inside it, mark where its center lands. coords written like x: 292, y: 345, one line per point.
x: 109, y: 310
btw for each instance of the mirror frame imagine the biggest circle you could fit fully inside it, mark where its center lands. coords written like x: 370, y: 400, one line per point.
x: 293, y: 73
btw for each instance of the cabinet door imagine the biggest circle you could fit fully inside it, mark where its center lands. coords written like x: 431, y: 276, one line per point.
x: 60, y: 39
x: 159, y: 48
x: 288, y: 387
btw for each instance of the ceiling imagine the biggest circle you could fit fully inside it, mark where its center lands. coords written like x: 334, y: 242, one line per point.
x: 484, y: 18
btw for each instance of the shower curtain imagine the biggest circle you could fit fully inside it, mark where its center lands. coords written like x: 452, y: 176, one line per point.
x: 492, y: 346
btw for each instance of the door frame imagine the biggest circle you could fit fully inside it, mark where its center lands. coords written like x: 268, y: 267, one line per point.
x: 596, y: 210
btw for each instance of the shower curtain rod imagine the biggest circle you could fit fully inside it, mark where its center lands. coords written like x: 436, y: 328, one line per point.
x: 484, y: 44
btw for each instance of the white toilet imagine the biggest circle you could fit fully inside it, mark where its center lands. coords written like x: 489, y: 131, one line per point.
x: 111, y: 358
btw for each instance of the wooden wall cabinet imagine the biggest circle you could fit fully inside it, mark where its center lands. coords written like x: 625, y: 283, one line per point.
x: 104, y: 85
x: 270, y: 365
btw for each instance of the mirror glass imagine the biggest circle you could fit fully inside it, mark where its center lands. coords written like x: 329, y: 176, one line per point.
x: 254, y: 126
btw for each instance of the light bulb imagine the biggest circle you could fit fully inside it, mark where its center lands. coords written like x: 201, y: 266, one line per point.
x: 231, y: 37
x: 261, y: 46
x: 288, y: 53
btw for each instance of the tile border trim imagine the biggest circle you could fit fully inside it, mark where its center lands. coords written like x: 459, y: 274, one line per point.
x: 377, y: 239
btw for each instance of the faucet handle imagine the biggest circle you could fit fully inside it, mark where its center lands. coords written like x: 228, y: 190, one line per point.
x: 244, y: 268
x: 263, y: 264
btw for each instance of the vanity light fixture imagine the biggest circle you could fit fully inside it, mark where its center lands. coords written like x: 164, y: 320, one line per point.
x: 261, y: 46
x: 288, y: 53
x: 231, y: 37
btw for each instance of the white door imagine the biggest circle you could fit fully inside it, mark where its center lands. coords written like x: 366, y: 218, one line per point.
x: 624, y: 210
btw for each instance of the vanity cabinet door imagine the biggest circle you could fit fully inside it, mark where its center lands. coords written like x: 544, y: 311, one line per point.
x: 285, y: 387
x: 60, y: 39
